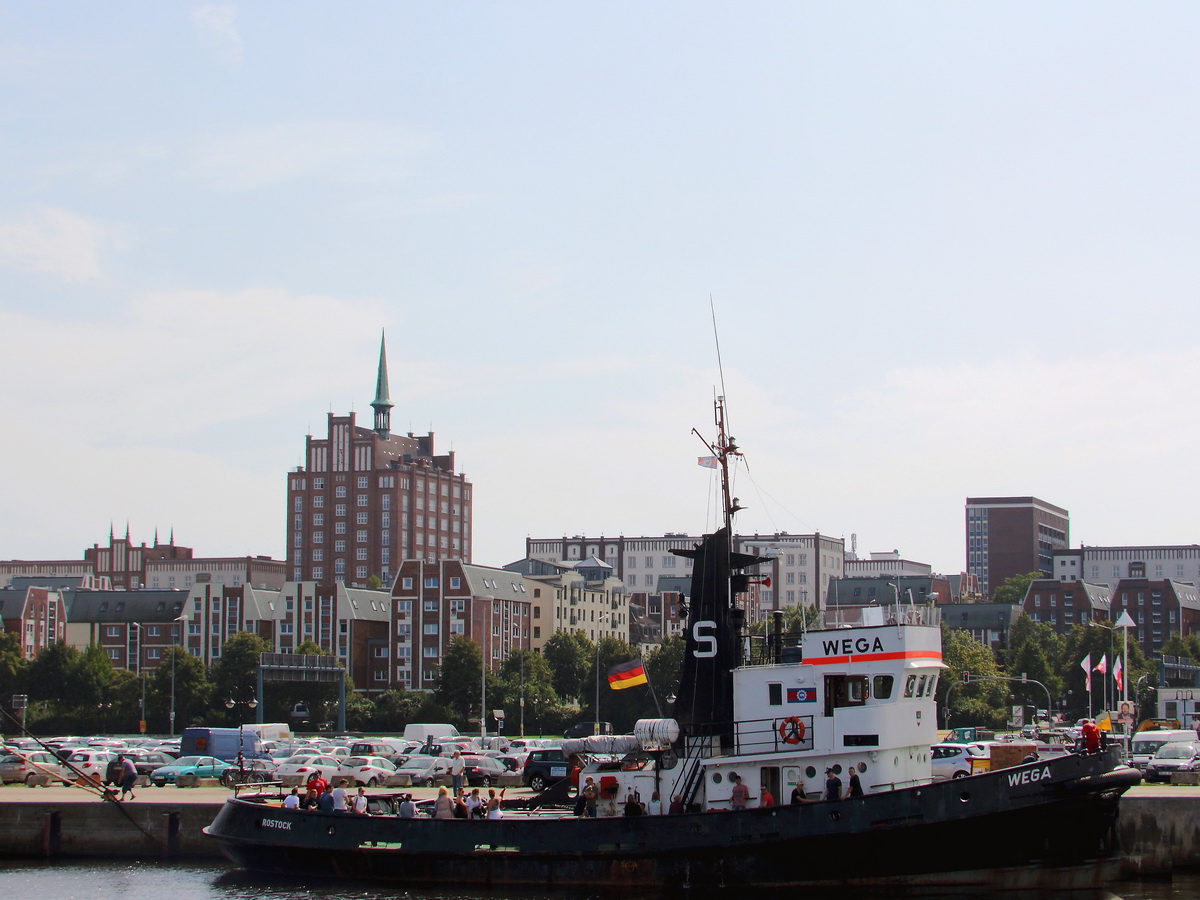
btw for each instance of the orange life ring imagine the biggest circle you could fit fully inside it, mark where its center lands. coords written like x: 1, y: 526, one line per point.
x: 791, y: 730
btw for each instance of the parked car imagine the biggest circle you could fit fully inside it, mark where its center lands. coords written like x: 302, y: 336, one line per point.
x: 482, y: 770
x: 543, y: 768
x: 952, y: 760
x: 587, y: 729
x: 1180, y: 756
x: 424, y: 769
x: 367, y: 770
x: 201, y: 766
x: 28, y: 764
x: 93, y: 763
x: 305, y: 766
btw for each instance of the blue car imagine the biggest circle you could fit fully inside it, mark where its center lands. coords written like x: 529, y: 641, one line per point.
x: 202, y: 766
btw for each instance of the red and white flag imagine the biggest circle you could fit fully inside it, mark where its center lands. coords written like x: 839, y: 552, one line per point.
x: 709, y: 462
x: 1118, y: 673
x: 1102, y: 668
x: 1086, y: 665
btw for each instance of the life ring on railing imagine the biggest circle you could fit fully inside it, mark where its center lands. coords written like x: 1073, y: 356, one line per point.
x: 791, y: 730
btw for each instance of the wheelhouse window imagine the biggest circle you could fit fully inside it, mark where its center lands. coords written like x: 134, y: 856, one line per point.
x: 882, y: 688
x: 845, y: 691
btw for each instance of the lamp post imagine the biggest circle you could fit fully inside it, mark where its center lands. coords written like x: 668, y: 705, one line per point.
x: 1125, y: 622
x: 142, y: 672
x: 483, y: 664
x: 241, y: 759
x: 596, y: 723
x: 178, y: 624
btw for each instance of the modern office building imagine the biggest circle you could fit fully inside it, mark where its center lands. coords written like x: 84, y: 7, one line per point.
x: 366, y: 499
x: 1009, y: 536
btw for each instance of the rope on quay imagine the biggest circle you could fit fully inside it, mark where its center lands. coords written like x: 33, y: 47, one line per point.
x: 85, y: 782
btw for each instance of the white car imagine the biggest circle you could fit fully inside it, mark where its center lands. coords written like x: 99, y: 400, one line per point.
x: 367, y: 770
x: 306, y: 766
x: 952, y: 760
x: 93, y: 763
x: 424, y: 769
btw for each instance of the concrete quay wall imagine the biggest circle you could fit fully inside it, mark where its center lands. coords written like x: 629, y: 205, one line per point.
x: 1158, y: 829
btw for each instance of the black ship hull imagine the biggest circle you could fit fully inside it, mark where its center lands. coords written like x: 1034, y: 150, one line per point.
x: 1038, y: 825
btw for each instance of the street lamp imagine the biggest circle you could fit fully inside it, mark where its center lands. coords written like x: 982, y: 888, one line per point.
x: 141, y: 670
x: 241, y: 759
x: 483, y: 666
x: 596, y: 723
x: 177, y: 623
x: 1125, y: 622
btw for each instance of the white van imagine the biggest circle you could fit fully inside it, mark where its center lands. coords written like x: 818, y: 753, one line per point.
x: 1146, y: 743
x: 422, y: 733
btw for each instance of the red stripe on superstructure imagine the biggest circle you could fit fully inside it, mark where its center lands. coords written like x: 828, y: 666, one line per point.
x: 876, y: 657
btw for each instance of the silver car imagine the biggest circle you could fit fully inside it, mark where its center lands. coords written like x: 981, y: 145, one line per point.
x: 26, y: 765
x: 1181, y: 756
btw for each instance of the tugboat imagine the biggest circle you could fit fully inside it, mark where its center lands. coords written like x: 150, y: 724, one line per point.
x: 851, y: 704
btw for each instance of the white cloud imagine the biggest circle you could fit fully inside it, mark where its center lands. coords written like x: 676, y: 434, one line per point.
x: 217, y: 29
x: 54, y: 242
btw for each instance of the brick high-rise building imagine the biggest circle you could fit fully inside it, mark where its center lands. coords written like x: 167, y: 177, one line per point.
x: 366, y: 499
x: 1009, y: 536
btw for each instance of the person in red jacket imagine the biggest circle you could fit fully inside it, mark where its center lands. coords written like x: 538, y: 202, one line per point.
x: 1091, y: 737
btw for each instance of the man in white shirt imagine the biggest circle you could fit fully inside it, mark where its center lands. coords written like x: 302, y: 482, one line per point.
x: 339, y: 797
x: 292, y: 800
x: 457, y: 765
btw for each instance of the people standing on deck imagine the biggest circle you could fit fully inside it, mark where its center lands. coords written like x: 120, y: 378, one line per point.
x: 310, y: 800
x: 765, y: 797
x: 408, y: 809
x: 460, y: 806
x: 798, y: 794
x: 443, y: 806
x: 590, y: 795
x: 457, y: 766
x: 475, y: 804
x: 316, y: 783
x: 833, y: 785
x: 633, y: 806
x: 494, y: 810
x: 360, y: 802
x: 676, y: 808
x: 740, y: 793
x: 853, y: 784
x: 341, y: 803
x: 654, y: 806
x: 1091, y: 737
x: 292, y: 800
x: 325, y: 801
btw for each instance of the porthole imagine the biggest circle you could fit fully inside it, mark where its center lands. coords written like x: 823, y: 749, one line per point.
x: 964, y: 797
x: 810, y: 772
x: 837, y: 768
x: 716, y: 777
x: 862, y: 767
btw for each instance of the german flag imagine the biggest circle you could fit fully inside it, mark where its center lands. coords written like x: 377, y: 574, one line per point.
x: 627, y: 675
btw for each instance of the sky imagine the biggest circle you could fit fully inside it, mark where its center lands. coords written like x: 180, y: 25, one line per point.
x: 948, y: 250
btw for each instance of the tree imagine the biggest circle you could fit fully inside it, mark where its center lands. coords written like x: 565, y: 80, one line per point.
x: 12, y: 664
x: 235, y: 677
x: 1014, y: 588
x: 460, y: 678
x: 192, y: 691
x: 523, y: 674
x: 395, y: 708
x: 571, y: 655
x: 1035, y: 650
x: 982, y: 703
x: 664, y: 667
x: 50, y: 676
